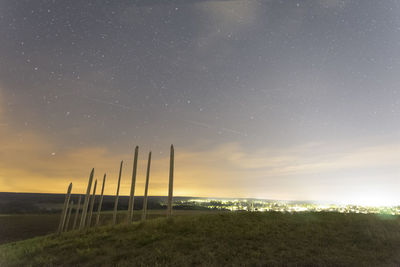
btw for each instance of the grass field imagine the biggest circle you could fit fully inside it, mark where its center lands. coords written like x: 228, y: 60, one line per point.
x: 243, y: 238
x: 15, y: 227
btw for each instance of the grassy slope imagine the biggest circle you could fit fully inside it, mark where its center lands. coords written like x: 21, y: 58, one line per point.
x: 16, y: 227
x: 222, y: 239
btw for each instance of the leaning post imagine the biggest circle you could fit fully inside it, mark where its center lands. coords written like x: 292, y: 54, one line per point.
x: 117, y: 196
x: 89, y: 220
x: 64, y: 210
x: 71, y: 205
x: 146, y: 188
x: 171, y: 181
x: 101, y: 201
x: 132, y: 195
x: 77, y: 213
x: 86, y: 201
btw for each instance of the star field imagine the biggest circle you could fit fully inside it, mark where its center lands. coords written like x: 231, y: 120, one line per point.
x: 230, y: 79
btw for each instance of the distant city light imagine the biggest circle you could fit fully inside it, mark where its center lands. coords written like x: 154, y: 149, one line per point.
x: 282, y: 206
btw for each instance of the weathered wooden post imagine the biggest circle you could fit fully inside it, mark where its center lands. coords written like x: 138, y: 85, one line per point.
x: 86, y: 201
x: 146, y: 188
x: 64, y: 210
x: 132, y: 195
x: 101, y: 201
x: 117, y: 196
x: 77, y: 212
x: 89, y: 220
x: 71, y: 205
x: 171, y: 181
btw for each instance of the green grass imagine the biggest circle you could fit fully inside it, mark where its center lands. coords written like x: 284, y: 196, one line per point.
x: 245, y: 239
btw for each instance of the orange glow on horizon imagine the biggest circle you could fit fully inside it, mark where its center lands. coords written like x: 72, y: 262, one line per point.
x: 30, y: 163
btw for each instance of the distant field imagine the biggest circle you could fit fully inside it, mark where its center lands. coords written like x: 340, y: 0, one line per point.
x: 15, y: 227
x: 34, y: 203
x: 18, y: 227
x: 229, y: 238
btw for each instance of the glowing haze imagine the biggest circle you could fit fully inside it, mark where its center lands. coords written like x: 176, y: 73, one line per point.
x: 268, y: 99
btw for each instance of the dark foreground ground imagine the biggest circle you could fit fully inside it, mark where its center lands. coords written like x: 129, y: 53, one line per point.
x: 275, y: 239
x: 16, y: 227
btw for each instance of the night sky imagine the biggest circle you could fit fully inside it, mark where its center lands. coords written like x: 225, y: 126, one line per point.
x: 268, y: 99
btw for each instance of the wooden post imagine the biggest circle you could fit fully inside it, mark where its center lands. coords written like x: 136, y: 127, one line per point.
x: 71, y: 205
x: 64, y: 210
x: 89, y: 220
x: 86, y: 201
x: 132, y: 195
x: 77, y: 212
x: 171, y: 181
x: 146, y: 188
x: 117, y: 196
x: 101, y: 201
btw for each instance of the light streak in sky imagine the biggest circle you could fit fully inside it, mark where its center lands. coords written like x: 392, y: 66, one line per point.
x: 106, y: 102
x: 224, y: 129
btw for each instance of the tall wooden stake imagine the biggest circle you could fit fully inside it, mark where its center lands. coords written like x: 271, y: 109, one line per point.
x: 77, y: 212
x: 86, y: 201
x: 117, y: 196
x: 71, y: 205
x: 89, y: 220
x: 101, y: 201
x: 132, y: 195
x: 171, y: 181
x: 146, y: 188
x: 64, y: 210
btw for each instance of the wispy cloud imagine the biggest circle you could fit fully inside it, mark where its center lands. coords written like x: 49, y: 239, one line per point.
x: 31, y: 163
